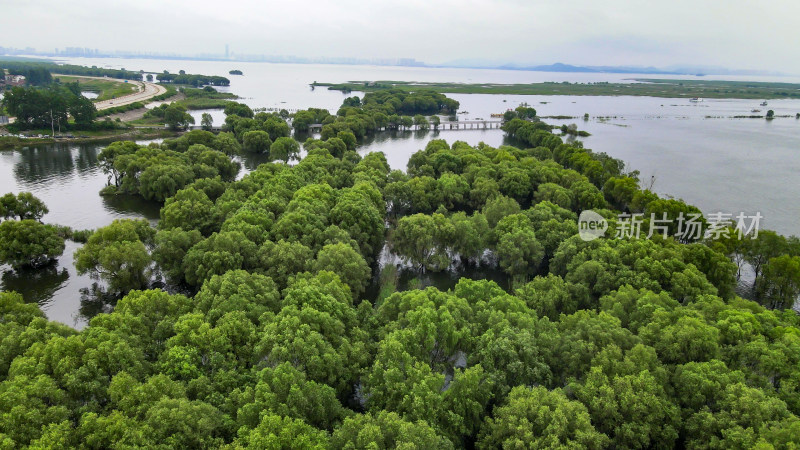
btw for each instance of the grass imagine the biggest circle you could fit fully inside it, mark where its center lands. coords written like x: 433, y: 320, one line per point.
x: 203, y: 103
x: 149, y: 121
x: 107, y: 88
x: 637, y: 87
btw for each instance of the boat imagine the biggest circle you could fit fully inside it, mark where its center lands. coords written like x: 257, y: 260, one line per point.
x: 755, y: 110
x: 764, y: 103
x: 695, y: 99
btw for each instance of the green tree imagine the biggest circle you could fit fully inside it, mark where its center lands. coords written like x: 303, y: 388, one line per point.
x: 159, y: 182
x: 181, y: 423
x: 27, y: 406
x: 276, y: 432
x: 256, y: 141
x: 422, y: 240
x: 177, y: 118
x: 538, y: 418
x: 28, y: 243
x: 386, y: 430
x: 82, y: 111
x: 734, y: 420
x: 285, y: 390
x: 633, y: 410
x: 343, y: 260
x: 779, y: 287
x: 435, y: 121
x: 284, y: 149
x: 519, y: 253
x: 24, y: 205
x: 218, y: 254
x: 555, y: 194
x: 190, y: 209
x: 550, y: 296
x: 348, y: 138
x: 759, y: 250
x: 238, y: 109
x: 498, y: 207
x: 118, y: 255
x: 283, y: 259
x: 421, y: 122
x: 170, y: 250
x: 206, y: 121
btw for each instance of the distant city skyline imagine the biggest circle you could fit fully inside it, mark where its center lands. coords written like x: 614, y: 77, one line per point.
x: 736, y: 34
x: 228, y: 55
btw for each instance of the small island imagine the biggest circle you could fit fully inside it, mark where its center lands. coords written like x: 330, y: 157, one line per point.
x: 235, y: 72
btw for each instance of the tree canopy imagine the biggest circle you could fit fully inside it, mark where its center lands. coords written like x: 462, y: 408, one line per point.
x: 289, y: 319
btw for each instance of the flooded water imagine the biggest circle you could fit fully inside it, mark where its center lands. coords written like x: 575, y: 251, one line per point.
x: 68, y: 179
x: 693, y: 151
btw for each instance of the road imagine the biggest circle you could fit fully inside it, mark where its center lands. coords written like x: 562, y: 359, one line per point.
x: 147, y: 91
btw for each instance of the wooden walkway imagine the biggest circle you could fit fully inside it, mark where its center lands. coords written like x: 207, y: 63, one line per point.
x: 448, y: 125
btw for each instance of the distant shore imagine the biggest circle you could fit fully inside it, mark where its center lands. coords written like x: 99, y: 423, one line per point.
x: 640, y: 87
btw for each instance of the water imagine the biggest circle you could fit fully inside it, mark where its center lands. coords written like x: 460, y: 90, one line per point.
x: 67, y: 178
x: 718, y: 164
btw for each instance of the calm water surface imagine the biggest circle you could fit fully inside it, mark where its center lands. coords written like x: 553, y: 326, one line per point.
x: 693, y: 151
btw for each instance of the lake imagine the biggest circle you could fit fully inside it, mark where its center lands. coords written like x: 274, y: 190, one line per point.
x: 693, y: 150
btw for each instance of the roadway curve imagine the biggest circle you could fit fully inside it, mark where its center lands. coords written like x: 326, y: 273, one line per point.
x: 147, y: 91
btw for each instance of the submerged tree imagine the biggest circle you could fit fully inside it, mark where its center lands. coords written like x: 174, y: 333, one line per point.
x: 29, y: 243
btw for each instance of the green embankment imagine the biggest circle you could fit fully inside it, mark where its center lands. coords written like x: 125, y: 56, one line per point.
x: 642, y: 87
x: 106, y: 89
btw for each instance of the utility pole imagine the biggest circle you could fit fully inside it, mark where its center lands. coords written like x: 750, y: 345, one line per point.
x: 52, y: 125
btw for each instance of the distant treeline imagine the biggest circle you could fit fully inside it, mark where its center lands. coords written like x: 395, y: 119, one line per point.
x: 193, y: 79
x: 642, y: 87
x: 39, y: 73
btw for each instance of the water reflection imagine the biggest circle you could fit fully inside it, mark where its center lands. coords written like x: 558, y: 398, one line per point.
x: 96, y: 300
x: 44, y: 164
x: 86, y: 159
x: 251, y: 161
x: 132, y: 205
x: 36, y: 285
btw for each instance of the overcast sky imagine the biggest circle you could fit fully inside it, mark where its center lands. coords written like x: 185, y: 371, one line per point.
x: 737, y: 34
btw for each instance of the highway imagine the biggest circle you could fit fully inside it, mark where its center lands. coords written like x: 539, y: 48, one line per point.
x: 147, y: 91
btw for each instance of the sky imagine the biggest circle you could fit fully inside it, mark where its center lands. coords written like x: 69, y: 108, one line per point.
x: 736, y: 34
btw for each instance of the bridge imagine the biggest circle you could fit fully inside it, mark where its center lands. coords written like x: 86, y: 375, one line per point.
x: 446, y: 125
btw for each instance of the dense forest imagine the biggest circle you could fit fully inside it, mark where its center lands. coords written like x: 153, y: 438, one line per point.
x: 50, y: 107
x: 276, y: 341
x: 385, y: 110
x: 192, y: 79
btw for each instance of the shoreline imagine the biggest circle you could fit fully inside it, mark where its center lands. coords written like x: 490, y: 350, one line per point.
x: 13, y: 142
